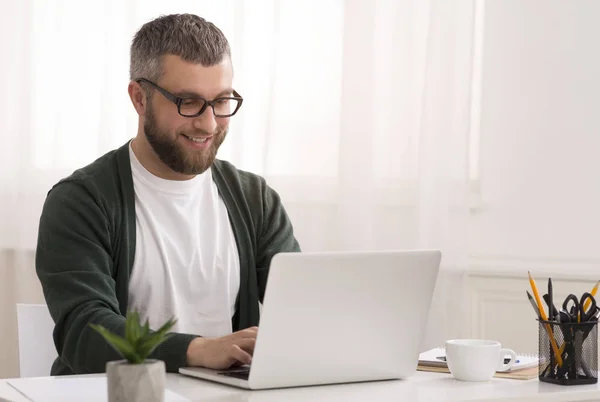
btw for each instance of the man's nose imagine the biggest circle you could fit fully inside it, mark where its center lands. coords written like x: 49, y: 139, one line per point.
x: 206, y: 121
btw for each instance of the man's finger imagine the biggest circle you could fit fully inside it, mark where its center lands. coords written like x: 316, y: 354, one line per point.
x: 246, y: 333
x: 238, y: 354
x: 246, y: 344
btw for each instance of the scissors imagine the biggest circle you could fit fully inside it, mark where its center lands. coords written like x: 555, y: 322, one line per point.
x: 576, y: 313
x: 573, y: 312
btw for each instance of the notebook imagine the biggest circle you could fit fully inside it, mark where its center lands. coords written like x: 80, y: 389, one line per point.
x: 525, y: 368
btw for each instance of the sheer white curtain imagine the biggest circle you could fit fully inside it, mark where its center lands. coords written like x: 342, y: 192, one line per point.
x: 357, y: 112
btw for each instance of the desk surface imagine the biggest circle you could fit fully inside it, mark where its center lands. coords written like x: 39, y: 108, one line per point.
x: 420, y: 387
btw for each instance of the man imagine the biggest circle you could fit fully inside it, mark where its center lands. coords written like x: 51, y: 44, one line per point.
x: 159, y: 225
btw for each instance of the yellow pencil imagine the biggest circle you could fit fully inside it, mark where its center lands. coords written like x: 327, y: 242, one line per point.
x: 593, y: 292
x: 545, y: 318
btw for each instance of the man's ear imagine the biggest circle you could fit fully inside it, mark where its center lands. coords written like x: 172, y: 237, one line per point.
x: 138, y: 97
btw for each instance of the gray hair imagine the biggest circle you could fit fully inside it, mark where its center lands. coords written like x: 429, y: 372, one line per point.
x: 185, y: 35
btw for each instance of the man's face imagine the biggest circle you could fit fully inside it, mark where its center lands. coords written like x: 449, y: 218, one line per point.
x: 169, y: 133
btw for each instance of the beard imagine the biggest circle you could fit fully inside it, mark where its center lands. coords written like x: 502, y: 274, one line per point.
x: 176, y: 156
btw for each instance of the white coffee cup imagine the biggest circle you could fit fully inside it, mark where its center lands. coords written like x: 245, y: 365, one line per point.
x: 477, y: 359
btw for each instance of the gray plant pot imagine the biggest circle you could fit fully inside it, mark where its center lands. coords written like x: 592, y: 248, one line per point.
x: 136, y: 382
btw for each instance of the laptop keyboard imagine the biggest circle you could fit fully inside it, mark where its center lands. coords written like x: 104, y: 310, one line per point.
x: 241, y: 374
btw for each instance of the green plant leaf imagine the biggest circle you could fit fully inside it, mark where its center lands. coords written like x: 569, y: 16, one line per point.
x: 162, y: 331
x: 133, y: 328
x: 146, y: 348
x: 167, y: 326
x: 148, y: 343
x: 120, y: 344
x: 145, y: 329
x: 139, y: 342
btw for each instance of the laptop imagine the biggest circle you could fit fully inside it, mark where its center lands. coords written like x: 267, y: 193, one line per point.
x: 338, y: 317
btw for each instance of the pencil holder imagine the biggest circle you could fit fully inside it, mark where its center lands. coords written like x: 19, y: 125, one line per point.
x: 577, y: 346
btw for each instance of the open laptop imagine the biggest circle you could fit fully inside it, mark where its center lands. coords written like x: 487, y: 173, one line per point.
x: 338, y: 317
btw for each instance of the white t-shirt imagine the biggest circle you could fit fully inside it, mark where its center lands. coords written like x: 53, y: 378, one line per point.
x: 186, y: 259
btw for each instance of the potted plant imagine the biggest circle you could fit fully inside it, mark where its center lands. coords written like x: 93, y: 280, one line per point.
x: 136, y: 378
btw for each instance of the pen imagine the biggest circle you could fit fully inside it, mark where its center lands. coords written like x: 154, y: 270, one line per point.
x: 551, y: 305
x: 553, y: 308
x: 535, y: 308
x: 593, y: 292
x: 544, y: 318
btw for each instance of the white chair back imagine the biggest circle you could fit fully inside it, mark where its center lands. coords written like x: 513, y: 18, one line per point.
x: 36, y: 346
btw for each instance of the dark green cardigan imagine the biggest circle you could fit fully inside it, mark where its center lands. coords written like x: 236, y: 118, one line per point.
x: 86, y: 248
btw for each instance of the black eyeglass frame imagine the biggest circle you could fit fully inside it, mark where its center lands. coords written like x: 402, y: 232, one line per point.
x: 178, y: 100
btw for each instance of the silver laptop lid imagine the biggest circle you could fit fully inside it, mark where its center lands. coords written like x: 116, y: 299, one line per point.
x: 343, y: 317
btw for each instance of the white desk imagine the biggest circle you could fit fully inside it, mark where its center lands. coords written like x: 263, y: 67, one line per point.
x: 426, y: 387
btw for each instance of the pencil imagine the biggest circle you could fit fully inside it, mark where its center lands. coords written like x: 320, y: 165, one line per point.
x: 545, y: 318
x: 593, y: 292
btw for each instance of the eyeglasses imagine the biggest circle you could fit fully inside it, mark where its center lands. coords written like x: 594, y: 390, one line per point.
x: 224, y: 106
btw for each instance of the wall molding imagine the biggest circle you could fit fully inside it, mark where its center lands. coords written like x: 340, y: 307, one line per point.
x: 518, y: 266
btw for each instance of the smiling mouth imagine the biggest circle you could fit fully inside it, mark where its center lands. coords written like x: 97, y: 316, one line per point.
x: 197, y: 140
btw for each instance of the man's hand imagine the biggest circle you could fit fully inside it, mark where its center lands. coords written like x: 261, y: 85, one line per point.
x: 222, y: 353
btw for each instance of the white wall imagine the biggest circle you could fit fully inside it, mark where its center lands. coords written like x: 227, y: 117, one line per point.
x: 539, y: 161
x: 540, y: 137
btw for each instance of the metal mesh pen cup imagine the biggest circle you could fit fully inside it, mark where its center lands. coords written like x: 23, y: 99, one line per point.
x: 577, y: 346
